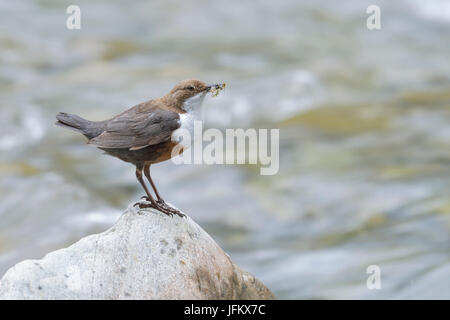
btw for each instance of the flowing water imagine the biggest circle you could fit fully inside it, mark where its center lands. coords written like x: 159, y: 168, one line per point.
x: 364, y: 120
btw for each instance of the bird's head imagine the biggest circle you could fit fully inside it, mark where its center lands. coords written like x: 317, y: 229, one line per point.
x: 189, y: 94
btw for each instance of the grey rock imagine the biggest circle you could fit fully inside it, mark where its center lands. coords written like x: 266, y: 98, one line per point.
x: 145, y: 255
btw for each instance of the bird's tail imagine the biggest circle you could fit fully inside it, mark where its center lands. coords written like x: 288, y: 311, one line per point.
x: 88, y: 128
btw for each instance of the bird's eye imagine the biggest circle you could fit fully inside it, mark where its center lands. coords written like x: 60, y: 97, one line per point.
x: 191, y: 88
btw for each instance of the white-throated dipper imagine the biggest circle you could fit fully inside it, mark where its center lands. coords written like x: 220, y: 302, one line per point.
x: 146, y: 133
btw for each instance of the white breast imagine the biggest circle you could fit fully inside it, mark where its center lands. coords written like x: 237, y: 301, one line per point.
x: 193, y: 108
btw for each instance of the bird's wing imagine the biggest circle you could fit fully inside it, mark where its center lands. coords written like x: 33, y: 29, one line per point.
x: 141, y: 126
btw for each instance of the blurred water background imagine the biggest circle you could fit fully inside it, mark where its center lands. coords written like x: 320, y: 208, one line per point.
x: 364, y: 133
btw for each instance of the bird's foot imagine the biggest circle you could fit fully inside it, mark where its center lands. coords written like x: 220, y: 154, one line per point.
x: 160, y: 205
x: 166, y: 206
x: 154, y: 206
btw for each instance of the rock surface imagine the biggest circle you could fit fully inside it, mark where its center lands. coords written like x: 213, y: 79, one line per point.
x: 145, y: 255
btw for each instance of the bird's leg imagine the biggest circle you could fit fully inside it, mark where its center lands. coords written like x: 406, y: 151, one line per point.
x: 149, y: 196
x: 160, y: 200
x: 153, y: 203
x: 149, y: 178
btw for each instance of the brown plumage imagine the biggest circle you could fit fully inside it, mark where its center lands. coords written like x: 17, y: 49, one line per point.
x: 141, y: 135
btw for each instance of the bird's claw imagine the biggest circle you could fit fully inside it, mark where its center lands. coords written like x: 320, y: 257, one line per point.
x: 161, y: 206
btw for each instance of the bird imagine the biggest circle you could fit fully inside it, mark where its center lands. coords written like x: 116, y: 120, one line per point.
x: 147, y: 133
